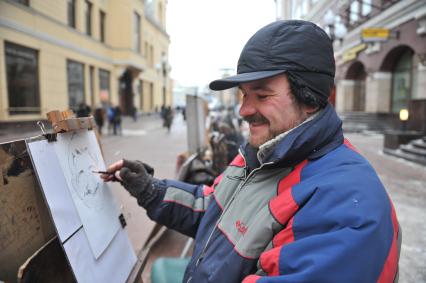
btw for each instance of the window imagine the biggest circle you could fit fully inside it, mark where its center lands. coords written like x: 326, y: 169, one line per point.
x: 402, y: 81
x: 149, y: 7
x: 22, y: 79
x: 366, y: 7
x: 75, y: 73
x: 136, y: 32
x: 102, y: 17
x: 304, y: 7
x: 71, y: 13
x: 354, y: 12
x: 23, y: 2
x: 104, y: 88
x: 416, y: 71
x: 88, y: 17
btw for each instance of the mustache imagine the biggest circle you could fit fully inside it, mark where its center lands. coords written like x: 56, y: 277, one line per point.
x: 255, y: 118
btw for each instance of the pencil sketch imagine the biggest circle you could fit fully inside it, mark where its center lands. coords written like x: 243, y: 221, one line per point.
x: 79, y: 154
x: 81, y: 163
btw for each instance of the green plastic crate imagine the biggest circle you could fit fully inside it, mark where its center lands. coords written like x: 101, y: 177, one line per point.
x: 169, y: 269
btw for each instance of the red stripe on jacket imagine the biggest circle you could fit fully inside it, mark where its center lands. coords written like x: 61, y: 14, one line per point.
x: 238, y: 161
x: 207, y: 190
x: 348, y: 144
x: 269, y: 261
x: 293, y: 178
x: 282, y: 207
x: 391, y: 265
x: 251, y: 279
x: 285, y: 236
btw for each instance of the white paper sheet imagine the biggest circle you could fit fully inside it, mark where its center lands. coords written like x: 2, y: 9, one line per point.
x: 79, y: 154
x: 118, y: 258
x: 54, y: 185
x: 114, y: 265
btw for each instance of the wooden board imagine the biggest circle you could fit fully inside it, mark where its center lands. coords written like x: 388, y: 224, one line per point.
x: 25, y: 223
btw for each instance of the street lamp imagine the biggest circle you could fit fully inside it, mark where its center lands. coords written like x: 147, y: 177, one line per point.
x: 336, y: 29
x: 329, y: 22
x: 403, y: 117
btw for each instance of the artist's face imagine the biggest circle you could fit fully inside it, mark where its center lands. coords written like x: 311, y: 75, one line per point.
x: 270, y: 108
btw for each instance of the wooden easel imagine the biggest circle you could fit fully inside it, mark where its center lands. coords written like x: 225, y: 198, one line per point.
x: 64, y: 121
x: 46, y: 260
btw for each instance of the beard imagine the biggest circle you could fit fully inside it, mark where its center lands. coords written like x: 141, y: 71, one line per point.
x: 258, y: 141
x: 270, y: 132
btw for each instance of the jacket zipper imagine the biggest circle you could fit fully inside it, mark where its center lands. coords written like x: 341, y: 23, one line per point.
x: 239, y: 188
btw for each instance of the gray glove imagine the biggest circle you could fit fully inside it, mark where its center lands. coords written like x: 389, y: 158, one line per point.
x: 137, y: 179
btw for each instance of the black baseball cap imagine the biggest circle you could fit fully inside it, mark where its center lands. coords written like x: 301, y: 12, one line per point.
x: 297, y: 47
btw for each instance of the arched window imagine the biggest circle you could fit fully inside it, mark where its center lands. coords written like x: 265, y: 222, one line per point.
x: 402, y: 81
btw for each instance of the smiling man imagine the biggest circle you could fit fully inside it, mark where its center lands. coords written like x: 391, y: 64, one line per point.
x: 270, y: 108
x: 299, y: 203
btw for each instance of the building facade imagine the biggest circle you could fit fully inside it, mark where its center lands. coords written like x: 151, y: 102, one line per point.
x: 55, y: 55
x: 380, y: 53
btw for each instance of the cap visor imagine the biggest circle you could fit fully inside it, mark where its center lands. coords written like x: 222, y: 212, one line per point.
x: 233, y: 81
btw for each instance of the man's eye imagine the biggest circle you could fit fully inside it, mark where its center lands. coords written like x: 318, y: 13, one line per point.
x: 262, y: 97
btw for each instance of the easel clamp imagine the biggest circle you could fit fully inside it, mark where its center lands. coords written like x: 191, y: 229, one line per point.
x: 65, y: 121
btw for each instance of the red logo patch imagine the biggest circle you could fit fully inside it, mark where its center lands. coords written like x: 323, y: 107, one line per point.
x: 241, y: 227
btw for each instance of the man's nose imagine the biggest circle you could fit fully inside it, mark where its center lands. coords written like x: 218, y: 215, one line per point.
x: 247, y: 107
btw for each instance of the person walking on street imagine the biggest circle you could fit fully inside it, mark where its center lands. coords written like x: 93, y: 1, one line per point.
x: 117, y: 121
x: 298, y: 203
x: 168, y: 117
x: 110, y: 117
x: 134, y: 113
x: 99, y: 117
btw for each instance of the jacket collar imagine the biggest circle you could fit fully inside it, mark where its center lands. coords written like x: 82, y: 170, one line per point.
x: 312, y: 139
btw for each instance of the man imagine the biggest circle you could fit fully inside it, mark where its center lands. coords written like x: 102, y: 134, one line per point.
x: 298, y: 204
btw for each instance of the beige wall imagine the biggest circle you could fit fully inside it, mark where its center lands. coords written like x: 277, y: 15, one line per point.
x: 378, y: 90
x: 43, y: 27
x: 344, y: 95
x: 421, y: 82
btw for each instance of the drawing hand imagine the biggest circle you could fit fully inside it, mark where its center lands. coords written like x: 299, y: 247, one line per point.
x: 114, y: 172
x: 136, y: 177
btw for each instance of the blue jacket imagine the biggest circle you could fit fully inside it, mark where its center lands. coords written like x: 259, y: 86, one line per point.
x: 314, y: 210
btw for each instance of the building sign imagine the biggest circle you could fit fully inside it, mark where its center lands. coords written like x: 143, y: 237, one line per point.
x: 352, y: 53
x: 375, y: 34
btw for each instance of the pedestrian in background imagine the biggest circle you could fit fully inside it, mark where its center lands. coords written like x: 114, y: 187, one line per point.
x: 110, y: 117
x: 184, y: 113
x: 298, y: 203
x: 117, y: 121
x: 163, y: 114
x: 99, y: 117
x: 168, y: 117
x: 134, y: 113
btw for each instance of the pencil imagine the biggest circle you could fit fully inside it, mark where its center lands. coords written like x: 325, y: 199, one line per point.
x: 103, y: 172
